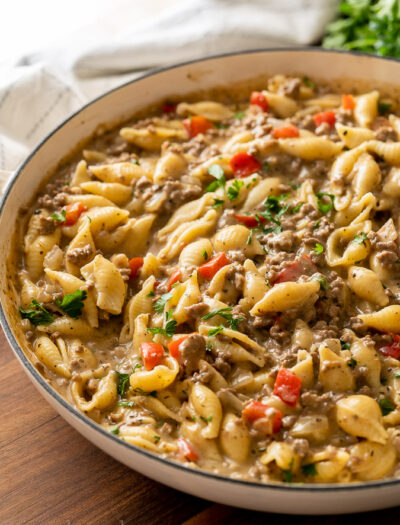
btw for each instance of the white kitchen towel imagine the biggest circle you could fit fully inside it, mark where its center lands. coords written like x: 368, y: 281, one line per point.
x: 41, y: 89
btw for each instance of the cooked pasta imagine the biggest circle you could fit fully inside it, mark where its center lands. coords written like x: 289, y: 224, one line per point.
x: 219, y: 283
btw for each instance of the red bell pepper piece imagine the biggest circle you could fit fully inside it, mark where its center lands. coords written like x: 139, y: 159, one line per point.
x: 302, y: 266
x: 211, y: 267
x: 186, y: 451
x: 286, y: 132
x: 152, y: 354
x: 348, y: 102
x: 135, y: 264
x: 248, y: 220
x: 326, y: 116
x: 197, y: 124
x: 287, y: 387
x: 73, y: 212
x: 255, y: 410
x: 392, y: 350
x: 175, y: 277
x: 174, y: 345
x: 243, y: 164
x: 169, y: 107
x: 258, y: 99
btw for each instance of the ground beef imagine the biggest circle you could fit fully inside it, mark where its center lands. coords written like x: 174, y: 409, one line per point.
x: 236, y: 275
x: 282, y: 241
x: 388, y: 251
x: 80, y: 255
x: 178, y: 193
x: 345, y: 116
x: 290, y: 88
x: 383, y: 130
x: 300, y: 447
x: 229, y: 400
x: 196, y: 310
x: 236, y: 256
x: 52, y: 200
x: 321, y: 403
x: 192, y: 350
x: 46, y: 226
x: 204, y: 375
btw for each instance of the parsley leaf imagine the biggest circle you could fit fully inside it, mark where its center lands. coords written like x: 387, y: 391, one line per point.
x: 126, y: 404
x: 36, y: 314
x: 150, y: 294
x: 318, y: 248
x: 72, y: 303
x: 239, y: 115
x: 159, y: 305
x: 296, y: 208
x: 322, y: 282
x: 218, y: 203
x: 384, y: 107
x: 250, y: 237
x: 216, y: 330
x: 360, y: 239
x: 115, y: 430
x: 344, y: 346
x: 218, y: 173
x: 59, y: 216
x: 352, y: 363
x: 308, y: 82
x: 323, y: 206
x: 157, y: 438
x: 141, y: 392
x: 309, y: 470
x: 274, y: 211
x: 169, y: 329
x: 206, y: 419
x: 122, y: 383
x: 205, y: 254
x: 266, y: 167
x: 234, y: 188
x: 233, y: 322
x: 386, y: 405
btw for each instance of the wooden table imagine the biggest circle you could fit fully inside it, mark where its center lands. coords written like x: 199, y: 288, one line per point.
x: 50, y: 474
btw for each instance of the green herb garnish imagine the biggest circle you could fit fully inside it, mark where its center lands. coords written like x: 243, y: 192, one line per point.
x: 308, y: 82
x: 386, y: 405
x: 72, y: 303
x: 205, y: 254
x: 360, y: 238
x: 234, y: 188
x: 36, y: 314
x: 218, y: 203
x: 150, y: 294
x: 318, y: 248
x: 206, y: 419
x: 233, y: 322
x: 157, y: 438
x: 59, y: 216
x: 159, y: 305
x: 352, y: 363
x: 218, y: 173
x: 322, y: 282
x: 216, y: 330
x: 115, y: 430
x: 126, y: 404
x: 324, y: 206
x: 384, y: 107
x: 309, y: 470
x: 141, y: 392
x: 239, y: 115
x: 122, y: 383
x: 250, y: 237
x: 169, y: 328
x: 344, y: 346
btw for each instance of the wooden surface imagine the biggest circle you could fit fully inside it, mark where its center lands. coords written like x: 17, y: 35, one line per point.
x: 50, y: 474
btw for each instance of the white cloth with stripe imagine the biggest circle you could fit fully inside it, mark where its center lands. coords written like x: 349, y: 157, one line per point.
x: 39, y: 90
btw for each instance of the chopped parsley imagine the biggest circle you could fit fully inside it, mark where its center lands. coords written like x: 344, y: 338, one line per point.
x: 322, y: 282
x: 159, y: 305
x: 384, y: 107
x: 216, y: 330
x: 169, y: 328
x: 141, y: 392
x: 296, y: 208
x: 218, y: 203
x: 287, y: 473
x: 324, y: 206
x: 360, y: 238
x: 205, y: 254
x: 318, y: 248
x: 274, y: 211
x: 233, y: 322
x: 126, y: 404
x: 206, y: 419
x: 219, y: 125
x: 234, y: 188
x: 138, y: 365
x: 308, y: 82
x: 250, y: 237
x: 36, y: 314
x: 115, y: 430
x: 72, y: 303
x: 157, y: 438
x: 352, y: 363
x: 122, y: 383
x: 218, y: 173
x: 150, y: 294
x: 59, y: 216
x: 135, y: 161
x: 239, y: 115
x: 344, y: 346
x: 309, y: 470
x: 294, y: 186
x: 266, y: 167
x: 386, y: 405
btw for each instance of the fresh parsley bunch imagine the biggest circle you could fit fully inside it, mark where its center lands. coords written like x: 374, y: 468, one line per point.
x: 368, y: 26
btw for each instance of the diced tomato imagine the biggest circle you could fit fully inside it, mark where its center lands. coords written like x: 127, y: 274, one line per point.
x: 197, y: 124
x: 348, y: 102
x: 175, y: 277
x: 152, y: 354
x: 326, y: 116
x: 169, y: 107
x: 73, y: 212
x: 174, y: 345
x: 243, y: 164
x: 248, y: 220
x: 255, y: 410
x: 286, y: 132
x: 287, y: 387
x: 186, y: 451
x: 302, y: 266
x: 135, y: 264
x: 211, y: 267
x: 258, y: 99
x: 392, y: 350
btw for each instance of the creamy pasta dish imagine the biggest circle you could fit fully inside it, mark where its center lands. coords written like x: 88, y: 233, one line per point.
x: 219, y: 283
